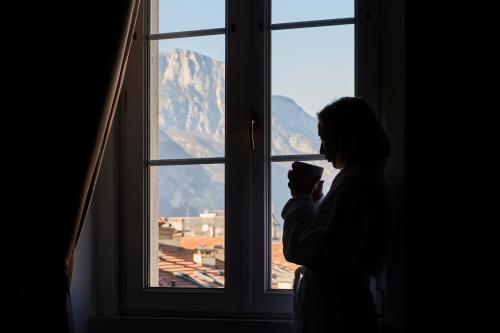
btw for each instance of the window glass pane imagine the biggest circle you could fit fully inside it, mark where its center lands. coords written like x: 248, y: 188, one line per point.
x: 310, y: 68
x: 188, y: 97
x: 187, y: 226
x: 185, y: 15
x: 309, y: 10
x: 281, y: 270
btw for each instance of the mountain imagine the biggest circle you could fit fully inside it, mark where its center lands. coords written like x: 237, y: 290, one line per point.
x: 191, y: 124
x: 187, y: 190
x: 293, y: 131
x: 192, y: 101
x: 192, y: 109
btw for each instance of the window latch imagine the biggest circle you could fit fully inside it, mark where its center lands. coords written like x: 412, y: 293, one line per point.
x: 251, y: 129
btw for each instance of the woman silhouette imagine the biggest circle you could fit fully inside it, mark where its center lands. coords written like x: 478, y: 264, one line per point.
x: 340, y: 241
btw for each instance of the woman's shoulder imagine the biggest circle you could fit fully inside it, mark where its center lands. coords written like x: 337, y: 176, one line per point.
x: 362, y: 178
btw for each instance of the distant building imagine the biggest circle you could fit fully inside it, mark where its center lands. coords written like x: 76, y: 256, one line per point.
x: 206, y: 224
x: 198, y: 243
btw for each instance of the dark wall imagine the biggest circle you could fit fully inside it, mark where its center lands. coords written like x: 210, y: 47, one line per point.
x: 393, y: 94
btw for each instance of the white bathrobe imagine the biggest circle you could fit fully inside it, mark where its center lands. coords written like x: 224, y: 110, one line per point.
x: 340, y: 242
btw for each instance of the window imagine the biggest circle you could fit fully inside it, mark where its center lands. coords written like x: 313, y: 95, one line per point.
x: 187, y: 144
x: 312, y: 63
x: 222, y: 97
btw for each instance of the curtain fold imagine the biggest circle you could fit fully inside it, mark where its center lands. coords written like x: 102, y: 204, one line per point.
x: 105, y: 121
x: 103, y: 130
x: 69, y: 77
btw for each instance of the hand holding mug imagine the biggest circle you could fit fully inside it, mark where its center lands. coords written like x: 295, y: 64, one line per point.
x: 305, y: 178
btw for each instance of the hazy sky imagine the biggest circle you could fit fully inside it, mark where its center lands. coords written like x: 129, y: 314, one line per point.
x: 312, y: 66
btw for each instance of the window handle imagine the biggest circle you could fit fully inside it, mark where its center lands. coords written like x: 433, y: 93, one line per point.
x: 251, y: 128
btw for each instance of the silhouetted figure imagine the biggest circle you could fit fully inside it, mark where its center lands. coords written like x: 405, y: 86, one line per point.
x: 341, y: 240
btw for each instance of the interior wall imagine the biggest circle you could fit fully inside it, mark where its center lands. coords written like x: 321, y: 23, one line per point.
x: 83, y: 284
x: 94, y: 287
x: 107, y: 230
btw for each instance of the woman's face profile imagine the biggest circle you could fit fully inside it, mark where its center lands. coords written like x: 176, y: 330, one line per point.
x: 329, y: 147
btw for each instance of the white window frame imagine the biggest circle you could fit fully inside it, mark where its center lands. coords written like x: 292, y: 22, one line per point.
x: 247, y: 239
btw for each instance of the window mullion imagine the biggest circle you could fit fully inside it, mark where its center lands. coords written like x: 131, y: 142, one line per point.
x: 311, y: 24
x: 191, y: 33
x: 278, y: 304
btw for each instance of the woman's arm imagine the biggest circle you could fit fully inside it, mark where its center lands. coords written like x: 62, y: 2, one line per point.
x: 304, y: 231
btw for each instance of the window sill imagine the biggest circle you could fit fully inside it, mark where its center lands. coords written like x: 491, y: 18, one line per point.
x: 186, y: 325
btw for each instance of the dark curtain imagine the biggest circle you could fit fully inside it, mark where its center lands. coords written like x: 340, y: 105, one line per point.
x: 73, y: 57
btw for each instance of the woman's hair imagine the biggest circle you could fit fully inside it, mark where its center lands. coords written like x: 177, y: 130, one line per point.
x: 353, y: 126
